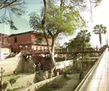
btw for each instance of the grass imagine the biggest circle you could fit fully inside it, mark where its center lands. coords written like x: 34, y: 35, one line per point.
x: 54, y: 85
x: 14, y: 89
x: 45, y: 89
x: 9, y: 75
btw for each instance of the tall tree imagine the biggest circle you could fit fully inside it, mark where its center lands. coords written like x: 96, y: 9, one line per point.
x: 100, y: 29
x: 56, y: 20
x: 7, y: 7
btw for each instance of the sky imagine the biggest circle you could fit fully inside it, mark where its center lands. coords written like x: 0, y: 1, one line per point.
x: 100, y: 16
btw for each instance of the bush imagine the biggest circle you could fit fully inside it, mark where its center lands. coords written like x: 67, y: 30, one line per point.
x: 12, y: 81
x: 45, y: 89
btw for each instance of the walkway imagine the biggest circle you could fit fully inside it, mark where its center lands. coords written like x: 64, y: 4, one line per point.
x: 98, y: 79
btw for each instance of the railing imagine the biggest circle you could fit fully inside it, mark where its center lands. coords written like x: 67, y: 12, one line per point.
x: 95, y: 77
x: 64, y: 51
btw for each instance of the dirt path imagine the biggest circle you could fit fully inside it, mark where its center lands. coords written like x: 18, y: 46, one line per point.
x: 71, y: 84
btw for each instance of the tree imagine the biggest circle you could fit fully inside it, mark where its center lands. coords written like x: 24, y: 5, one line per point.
x: 82, y: 39
x: 7, y: 7
x: 56, y: 20
x: 100, y: 29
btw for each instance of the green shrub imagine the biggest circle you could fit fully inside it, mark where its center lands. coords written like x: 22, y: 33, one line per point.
x: 12, y: 81
x: 9, y: 90
x: 45, y: 89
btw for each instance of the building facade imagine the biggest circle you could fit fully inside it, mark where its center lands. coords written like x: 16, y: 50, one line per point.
x: 27, y: 41
x: 4, y: 46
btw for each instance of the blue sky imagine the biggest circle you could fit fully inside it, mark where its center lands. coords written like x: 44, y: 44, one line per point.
x: 22, y: 22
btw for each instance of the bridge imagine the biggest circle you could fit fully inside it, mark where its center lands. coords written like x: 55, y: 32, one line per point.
x: 66, y: 51
x: 97, y: 79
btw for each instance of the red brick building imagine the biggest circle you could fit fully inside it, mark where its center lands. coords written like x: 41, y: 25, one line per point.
x: 4, y: 42
x: 4, y: 46
x: 27, y: 41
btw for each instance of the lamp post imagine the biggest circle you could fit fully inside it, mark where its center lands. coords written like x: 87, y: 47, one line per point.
x: 26, y: 47
x: 0, y: 50
x: 1, y: 71
x: 20, y: 47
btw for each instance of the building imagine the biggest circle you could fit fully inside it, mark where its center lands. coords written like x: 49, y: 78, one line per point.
x: 27, y: 41
x: 4, y: 46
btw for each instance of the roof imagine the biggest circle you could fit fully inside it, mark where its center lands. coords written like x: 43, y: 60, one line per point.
x: 3, y: 34
x: 23, y: 33
x: 34, y: 32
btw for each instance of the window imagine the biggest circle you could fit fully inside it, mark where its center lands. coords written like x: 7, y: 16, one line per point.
x: 2, y: 40
x: 40, y: 48
x: 15, y: 40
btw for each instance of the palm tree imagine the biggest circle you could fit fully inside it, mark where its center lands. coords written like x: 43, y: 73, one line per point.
x: 100, y: 29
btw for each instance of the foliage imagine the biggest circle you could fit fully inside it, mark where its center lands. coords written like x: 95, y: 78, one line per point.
x: 100, y: 29
x: 103, y: 48
x: 66, y: 71
x: 12, y: 81
x: 55, y: 20
x: 64, y: 18
x: 9, y: 7
x: 4, y: 86
x: 54, y: 85
x: 9, y: 75
x: 14, y: 89
x: 46, y: 89
x: 81, y: 40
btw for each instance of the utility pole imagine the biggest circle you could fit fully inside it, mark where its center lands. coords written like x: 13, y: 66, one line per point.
x: 81, y: 72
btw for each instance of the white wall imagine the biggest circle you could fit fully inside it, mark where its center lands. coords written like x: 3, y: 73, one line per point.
x: 4, y: 52
x: 63, y: 64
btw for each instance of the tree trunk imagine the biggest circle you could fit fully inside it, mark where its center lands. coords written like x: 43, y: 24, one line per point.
x: 53, y: 62
x: 100, y: 39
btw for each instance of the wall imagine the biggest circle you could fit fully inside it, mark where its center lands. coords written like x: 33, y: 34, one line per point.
x: 4, y: 52
x: 27, y: 39
x: 22, y: 39
x: 4, y: 40
x: 36, y: 86
x: 64, y: 64
x: 10, y: 64
x: 17, y: 64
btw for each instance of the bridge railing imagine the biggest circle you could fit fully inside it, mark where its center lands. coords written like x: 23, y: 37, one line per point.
x: 64, y: 50
x: 89, y: 74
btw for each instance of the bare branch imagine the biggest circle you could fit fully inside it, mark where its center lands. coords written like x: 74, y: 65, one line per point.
x: 6, y: 4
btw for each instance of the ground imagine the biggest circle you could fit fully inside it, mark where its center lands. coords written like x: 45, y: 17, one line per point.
x: 62, y: 84
x: 22, y: 80
x: 70, y: 84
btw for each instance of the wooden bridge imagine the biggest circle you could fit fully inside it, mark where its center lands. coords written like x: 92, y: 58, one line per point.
x: 69, y: 51
x: 65, y: 51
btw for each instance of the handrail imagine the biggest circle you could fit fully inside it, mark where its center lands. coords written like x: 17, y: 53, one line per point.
x: 90, y: 72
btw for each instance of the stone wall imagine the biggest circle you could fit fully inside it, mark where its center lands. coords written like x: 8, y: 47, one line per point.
x: 10, y: 64
x: 16, y: 64
x: 36, y: 86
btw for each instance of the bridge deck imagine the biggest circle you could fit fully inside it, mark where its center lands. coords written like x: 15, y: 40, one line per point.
x: 98, y: 77
x: 66, y: 51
